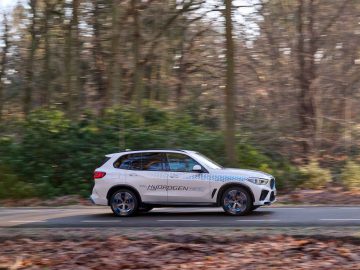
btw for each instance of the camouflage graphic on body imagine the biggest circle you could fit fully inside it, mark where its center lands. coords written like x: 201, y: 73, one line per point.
x: 198, y: 176
x: 217, y: 178
x: 173, y: 188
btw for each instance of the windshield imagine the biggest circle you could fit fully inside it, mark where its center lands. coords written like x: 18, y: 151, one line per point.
x: 207, y: 162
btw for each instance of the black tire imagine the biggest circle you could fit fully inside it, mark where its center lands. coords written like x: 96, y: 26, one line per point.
x: 145, y: 208
x: 255, y: 207
x: 241, y: 199
x: 124, y: 203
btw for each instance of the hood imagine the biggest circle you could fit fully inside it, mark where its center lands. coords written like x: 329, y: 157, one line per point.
x: 244, y: 173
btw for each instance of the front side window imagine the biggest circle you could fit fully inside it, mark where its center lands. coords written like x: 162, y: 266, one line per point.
x: 180, y: 163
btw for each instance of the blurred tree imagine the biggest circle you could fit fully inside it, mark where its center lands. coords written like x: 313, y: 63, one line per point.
x: 283, y: 75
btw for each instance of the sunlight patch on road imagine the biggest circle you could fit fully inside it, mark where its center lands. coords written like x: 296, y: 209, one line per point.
x: 26, y: 221
x: 340, y: 219
x: 101, y: 221
x: 259, y: 220
x: 178, y: 220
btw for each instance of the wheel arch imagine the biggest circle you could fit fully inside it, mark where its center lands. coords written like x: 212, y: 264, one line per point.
x: 117, y: 187
x: 228, y: 185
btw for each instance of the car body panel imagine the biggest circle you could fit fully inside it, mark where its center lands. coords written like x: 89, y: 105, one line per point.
x: 184, y: 187
x: 150, y: 184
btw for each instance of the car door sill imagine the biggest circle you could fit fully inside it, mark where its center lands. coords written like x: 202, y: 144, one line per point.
x: 182, y: 204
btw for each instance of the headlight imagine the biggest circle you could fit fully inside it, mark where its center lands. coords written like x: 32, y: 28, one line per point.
x: 258, y: 181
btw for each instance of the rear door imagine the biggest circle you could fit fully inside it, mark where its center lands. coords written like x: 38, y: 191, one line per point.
x: 184, y: 185
x: 147, y: 173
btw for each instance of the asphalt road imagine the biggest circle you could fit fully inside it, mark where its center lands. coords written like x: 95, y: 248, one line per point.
x: 179, y: 217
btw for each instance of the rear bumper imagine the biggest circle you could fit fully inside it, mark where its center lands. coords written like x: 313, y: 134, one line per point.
x: 95, y: 199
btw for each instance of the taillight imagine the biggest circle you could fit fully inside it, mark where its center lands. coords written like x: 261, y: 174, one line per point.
x: 98, y: 175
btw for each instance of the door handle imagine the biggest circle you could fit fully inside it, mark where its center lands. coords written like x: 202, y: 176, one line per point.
x: 132, y: 174
x: 174, y: 176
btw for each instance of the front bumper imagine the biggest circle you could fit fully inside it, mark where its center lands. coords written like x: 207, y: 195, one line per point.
x: 266, y: 196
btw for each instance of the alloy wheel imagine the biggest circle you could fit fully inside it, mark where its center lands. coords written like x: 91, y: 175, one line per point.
x: 123, y: 203
x: 235, y: 201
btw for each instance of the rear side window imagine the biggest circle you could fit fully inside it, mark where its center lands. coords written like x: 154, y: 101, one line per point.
x: 143, y: 161
x: 153, y: 161
x: 129, y: 162
x: 105, y: 159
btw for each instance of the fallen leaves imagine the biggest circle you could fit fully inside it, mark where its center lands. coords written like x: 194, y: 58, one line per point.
x: 189, y: 251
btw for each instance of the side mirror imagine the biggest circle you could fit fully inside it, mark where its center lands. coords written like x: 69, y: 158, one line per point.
x: 197, y: 168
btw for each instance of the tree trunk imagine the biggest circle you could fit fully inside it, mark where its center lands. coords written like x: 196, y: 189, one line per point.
x: 29, y: 73
x: 230, y: 96
x: 180, y: 73
x: 45, y: 91
x: 100, y: 69
x: 72, y: 63
x: 114, y: 74
x: 137, y: 87
x: 306, y: 48
x: 3, y: 63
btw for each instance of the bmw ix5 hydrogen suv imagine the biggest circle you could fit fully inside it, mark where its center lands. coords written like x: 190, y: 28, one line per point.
x: 133, y: 181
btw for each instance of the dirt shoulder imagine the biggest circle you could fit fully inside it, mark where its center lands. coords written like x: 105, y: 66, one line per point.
x: 329, y: 196
x: 176, y: 249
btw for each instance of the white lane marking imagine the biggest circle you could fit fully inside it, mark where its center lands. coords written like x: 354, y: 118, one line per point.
x: 284, y: 208
x: 341, y: 219
x: 100, y: 221
x: 25, y: 221
x: 178, y: 220
x: 259, y: 220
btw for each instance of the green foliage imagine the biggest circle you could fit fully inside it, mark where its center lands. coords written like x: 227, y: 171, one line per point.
x: 52, y: 156
x: 315, y: 176
x: 12, y: 187
x: 350, y: 175
x: 286, y: 175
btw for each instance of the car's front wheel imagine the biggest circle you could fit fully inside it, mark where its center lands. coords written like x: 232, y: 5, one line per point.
x: 124, y: 203
x: 236, y: 201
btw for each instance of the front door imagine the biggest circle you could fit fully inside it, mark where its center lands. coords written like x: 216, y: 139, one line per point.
x: 185, y: 185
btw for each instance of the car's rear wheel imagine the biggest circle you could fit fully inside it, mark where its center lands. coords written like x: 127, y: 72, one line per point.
x: 236, y: 201
x: 124, y: 203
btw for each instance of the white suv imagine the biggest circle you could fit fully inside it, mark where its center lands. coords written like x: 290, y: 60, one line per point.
x: 135, y: 181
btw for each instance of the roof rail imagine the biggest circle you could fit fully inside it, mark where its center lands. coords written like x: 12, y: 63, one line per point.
x: 155, y: 149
